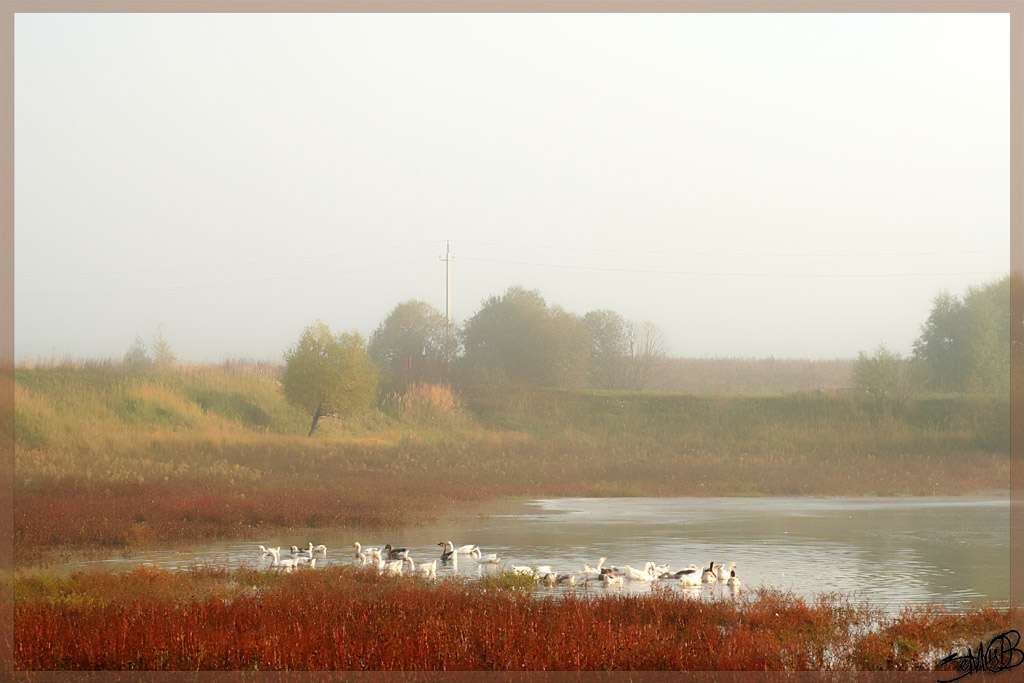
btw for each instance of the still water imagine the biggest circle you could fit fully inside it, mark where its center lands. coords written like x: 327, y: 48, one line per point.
x: 891, y: 551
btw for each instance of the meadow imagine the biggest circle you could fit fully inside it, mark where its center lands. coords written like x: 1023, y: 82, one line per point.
x: 107, y: 459
x: 111, y: 461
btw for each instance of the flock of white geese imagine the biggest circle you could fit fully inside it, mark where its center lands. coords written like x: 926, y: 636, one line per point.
x: 396, y: 561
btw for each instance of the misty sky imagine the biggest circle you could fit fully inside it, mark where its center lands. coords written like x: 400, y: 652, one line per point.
x: 787, y: 185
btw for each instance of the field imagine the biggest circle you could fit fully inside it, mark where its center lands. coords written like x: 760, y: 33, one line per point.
x: 108, y: 460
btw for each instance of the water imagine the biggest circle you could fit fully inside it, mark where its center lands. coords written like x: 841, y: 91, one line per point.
x: 891, y: 551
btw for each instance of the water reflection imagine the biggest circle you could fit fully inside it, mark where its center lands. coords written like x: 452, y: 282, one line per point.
x: 892, y: 551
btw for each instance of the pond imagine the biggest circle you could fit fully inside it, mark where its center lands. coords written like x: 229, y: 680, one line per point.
x: 891, y: 551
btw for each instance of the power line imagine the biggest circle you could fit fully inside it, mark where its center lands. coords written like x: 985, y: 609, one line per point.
x: 239, y: 283
x: 735, y: 253
x: 237, y: 264
x: 731, y: 274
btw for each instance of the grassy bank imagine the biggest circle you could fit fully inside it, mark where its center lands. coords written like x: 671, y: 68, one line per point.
x: 106, y: 458
x: 344, y: 618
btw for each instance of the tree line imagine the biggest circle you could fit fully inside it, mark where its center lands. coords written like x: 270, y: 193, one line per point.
x: 515, y: 338
x: 964, y: 347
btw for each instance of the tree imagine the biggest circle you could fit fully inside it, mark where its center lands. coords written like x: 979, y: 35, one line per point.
x: 965, y: 343
x: 608, y: 349
x: 163, y: 357
x: 645, y: 349
x: 329, y: 375
x: 518, y: 337
x: 413, y: 344
x: 137, y: 357
x: 889, y: 377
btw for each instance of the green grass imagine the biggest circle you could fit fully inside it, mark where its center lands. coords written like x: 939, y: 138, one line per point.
x: 111, y: 458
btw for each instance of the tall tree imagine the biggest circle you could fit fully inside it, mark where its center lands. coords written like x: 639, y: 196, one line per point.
x: 646, y: 349
x: 163, y: 356
x: 516, y: 336
x: 413, y: 344
x: 607, y: 331
x: 965, y: 343
x: 328, y: 375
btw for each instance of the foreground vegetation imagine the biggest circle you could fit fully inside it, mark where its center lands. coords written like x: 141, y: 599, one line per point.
x: 107, y: 458
x: 343, y: 618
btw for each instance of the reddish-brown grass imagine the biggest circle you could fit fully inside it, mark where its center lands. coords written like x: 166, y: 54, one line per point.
x: 348, y: 619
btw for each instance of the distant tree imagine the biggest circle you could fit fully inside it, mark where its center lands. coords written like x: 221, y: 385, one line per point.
x: 607, y: 331
x: 137, y: 357
x: 887, y: 376
x: 516, y: 336
x: 329, y: 375
x: 163, y: 357
x: 965, y: 343
x: 413, y: 344
x: 646, y: 349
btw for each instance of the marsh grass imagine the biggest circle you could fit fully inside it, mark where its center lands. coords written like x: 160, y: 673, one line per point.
x: 343, y: 618
x: 110, y: 458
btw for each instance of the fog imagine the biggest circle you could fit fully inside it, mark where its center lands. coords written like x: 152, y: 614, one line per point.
x: 785, y: 185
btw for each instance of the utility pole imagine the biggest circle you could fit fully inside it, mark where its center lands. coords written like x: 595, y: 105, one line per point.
x: 448, y: 284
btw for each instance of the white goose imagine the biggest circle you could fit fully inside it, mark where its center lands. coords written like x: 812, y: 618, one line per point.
x: 287, y: 564
x: 593, y: 573
x: 367, y: 552
x: 493, y: 559
x: 733, y: 580
x: 708, y: 575
x: 427, y: 569
x: 637, y: 575
x: 610, y: 578
x: 471, y: 550
x: 722, y: 572
x: 689, y: 576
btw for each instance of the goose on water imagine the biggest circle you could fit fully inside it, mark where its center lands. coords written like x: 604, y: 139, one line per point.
x: 733, y: 580
x: 426, y: 569
x: 448, y: 552
x: 368, y: 552
x: 471, y: 550
x: 637, y: 575
x: 691, y: 576
x: 394, y: 567
x: 610, y: 578
x: 593, y: 573
x: 493, y: 559
x: 395, y: 553
x: 723, y: 572
x: 708, y: 575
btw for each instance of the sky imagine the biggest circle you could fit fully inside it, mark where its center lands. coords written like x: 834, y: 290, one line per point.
x: 756, y: 185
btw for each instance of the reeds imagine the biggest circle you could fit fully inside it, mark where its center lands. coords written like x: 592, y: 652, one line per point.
x: 343, y: 618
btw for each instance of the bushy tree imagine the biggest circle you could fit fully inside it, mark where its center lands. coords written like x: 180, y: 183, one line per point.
x: 327, y: 374
x: 623, y: 355
x: 965, y: 343
x: 607, y: 367
x: 517, y: 337
x: 413, y: 344
x: 887, y: 376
